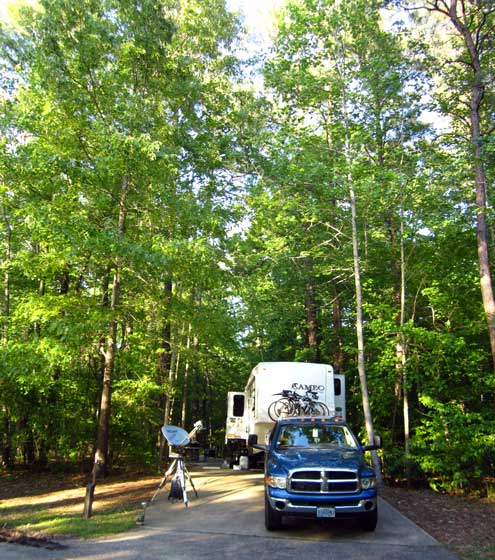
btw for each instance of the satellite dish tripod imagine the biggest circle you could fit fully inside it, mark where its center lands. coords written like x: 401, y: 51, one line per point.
x: 178, y: 473
x: 179, y: 476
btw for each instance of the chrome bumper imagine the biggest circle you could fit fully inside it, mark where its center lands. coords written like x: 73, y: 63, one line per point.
x: 284, y: 505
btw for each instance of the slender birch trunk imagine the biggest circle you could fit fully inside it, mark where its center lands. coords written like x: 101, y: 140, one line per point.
x: 401, y: 348
x: 357, y: 278
x: 360, y: 336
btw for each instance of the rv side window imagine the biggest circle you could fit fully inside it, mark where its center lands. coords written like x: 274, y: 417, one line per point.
x: 238, y: 405
x: 337, y: 387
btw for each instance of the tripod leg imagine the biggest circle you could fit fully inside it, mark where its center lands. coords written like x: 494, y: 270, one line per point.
x: 188, y: 476
x: 179, y: 477
x: 183, y: 482
x: 163, y: 482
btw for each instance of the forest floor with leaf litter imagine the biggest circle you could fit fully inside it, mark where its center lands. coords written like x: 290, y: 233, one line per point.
x: 464, y: 525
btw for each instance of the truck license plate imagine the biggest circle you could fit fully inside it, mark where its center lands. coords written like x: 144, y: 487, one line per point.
x: 325, y: 512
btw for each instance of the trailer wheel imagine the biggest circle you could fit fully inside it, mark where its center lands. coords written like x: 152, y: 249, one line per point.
x: 273, y: 519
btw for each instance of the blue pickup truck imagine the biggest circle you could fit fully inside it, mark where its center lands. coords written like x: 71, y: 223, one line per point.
x: 315, y: 467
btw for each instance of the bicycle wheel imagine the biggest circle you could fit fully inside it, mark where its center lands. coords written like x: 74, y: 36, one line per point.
x: 319, y: 409
x: 282, y: 407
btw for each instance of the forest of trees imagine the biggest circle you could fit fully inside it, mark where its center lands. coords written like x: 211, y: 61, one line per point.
x: 167, y: 222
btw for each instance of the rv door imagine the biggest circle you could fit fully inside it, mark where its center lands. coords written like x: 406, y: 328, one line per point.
x: 235, y: 428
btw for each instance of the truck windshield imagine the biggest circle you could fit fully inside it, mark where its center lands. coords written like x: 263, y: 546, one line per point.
x: 316, y: 436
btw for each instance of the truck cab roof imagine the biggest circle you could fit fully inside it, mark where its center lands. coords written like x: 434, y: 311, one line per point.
x: 311, y: 420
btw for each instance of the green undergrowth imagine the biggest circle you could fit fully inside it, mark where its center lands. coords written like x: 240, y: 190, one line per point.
x: 483, y: 553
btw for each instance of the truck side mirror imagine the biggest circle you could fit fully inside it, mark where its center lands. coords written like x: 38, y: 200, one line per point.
x: 252, y: 440
x: 378, y: 444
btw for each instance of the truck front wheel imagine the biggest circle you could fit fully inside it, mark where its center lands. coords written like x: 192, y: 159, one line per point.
x: 368, y: 521
x: 273, y: 519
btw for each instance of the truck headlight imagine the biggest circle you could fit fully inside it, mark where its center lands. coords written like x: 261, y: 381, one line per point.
x: 368, y: 482
x: 277, y: 482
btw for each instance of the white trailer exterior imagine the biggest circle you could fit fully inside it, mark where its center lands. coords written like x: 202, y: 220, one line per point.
x: 247, y: 411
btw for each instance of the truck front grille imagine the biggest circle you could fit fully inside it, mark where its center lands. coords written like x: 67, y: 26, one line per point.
x: 323, y: 481
x: 327, y: 503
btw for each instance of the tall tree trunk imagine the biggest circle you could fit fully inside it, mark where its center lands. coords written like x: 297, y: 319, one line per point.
x: 6, y: 440
x: 311, y: 318
x: 6, y: 277
x: 105, y: 297
x: 360, y: 336
x: 165, y: 354
x: 169, y: 400
x: 481, y: 228
x: 197, y: 302
x: 102, y: 442
x: 312, y: 329
x: 185, y: 386
x: 164, y: 360
x: 338, y: 352
x: 176, y: 370
x: 101, y: 460
x: 477, y: 94
x: 65, y: 280
x: 368, y: 419
x: 475, y: 40
x: 172, y: 374
x: 401, y: 350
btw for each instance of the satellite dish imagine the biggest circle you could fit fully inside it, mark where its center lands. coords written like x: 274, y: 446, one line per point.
x: 175, y: 436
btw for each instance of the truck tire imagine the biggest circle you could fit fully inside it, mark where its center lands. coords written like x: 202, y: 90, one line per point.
x: 273, y: 519
x: 368, y: 521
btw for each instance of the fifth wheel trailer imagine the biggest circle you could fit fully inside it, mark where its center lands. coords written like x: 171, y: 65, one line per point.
x: 247, y: 411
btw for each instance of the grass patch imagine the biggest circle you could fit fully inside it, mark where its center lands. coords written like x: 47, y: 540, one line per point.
x: 50, y: 523
x: 49, y: 506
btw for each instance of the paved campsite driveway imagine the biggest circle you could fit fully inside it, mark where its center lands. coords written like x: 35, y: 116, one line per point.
x: 226, y: 521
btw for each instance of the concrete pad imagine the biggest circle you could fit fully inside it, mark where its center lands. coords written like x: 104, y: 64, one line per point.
x: 231, y: 502
x: 227, y: 521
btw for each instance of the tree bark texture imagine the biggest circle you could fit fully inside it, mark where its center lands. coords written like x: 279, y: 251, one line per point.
x: 338, y: 352
x: 474, y: 40
x: 164, y: 361
x: 185, y: 386
x: 312, y: 327
x: 360, y: 337
x: 101, y: 463
x: 6, y: 277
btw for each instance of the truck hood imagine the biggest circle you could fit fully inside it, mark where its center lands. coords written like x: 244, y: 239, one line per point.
x: 299, y: 457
